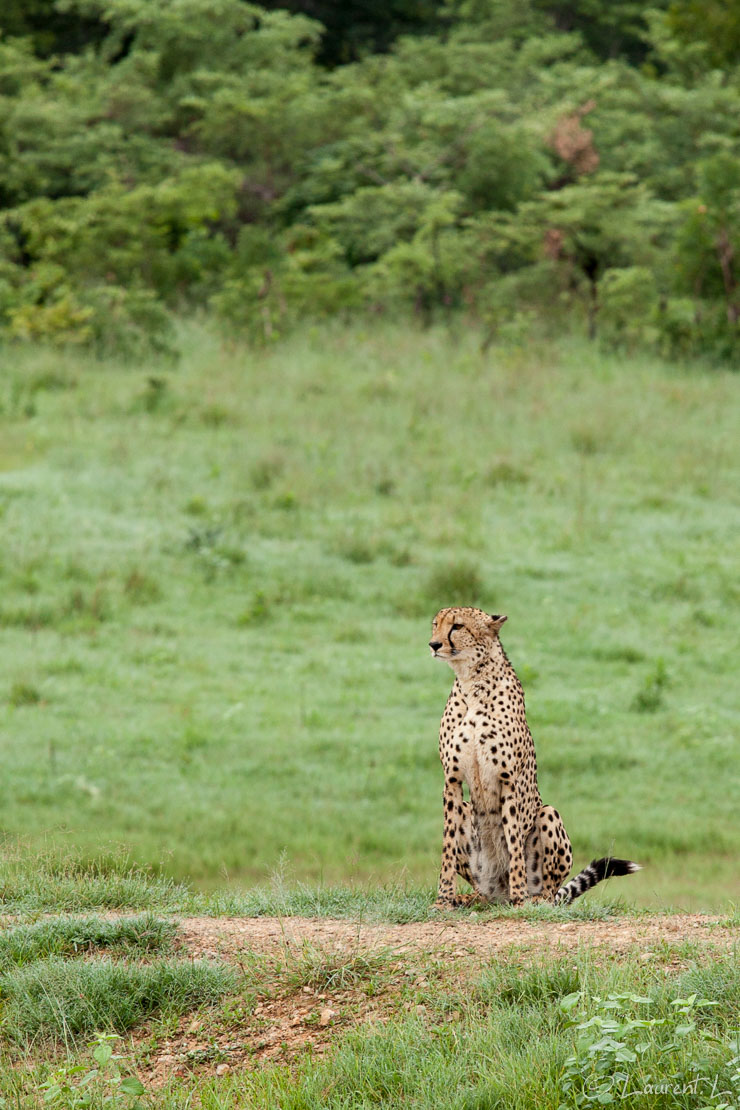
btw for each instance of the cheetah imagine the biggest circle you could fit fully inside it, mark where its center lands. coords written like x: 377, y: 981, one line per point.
x: 504, y: 841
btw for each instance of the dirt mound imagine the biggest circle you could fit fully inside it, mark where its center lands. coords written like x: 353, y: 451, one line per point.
x: 316, y: 977
x: 228, y: 937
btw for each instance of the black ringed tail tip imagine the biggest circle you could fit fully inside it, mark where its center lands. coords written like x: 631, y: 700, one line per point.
x: 595, y: 872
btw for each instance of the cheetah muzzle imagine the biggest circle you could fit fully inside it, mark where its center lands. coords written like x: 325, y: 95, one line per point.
x: 504, y: 841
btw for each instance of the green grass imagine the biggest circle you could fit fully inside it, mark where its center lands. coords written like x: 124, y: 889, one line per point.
x: 32, y: 884
x: 215, y: 630
x: 519, y: 1030
x: 52, y: 879
x: 552, y: 1033
x: 388, y: 903
x: 58, y: 1000
x: 73, y: 936
x: 322, y: 969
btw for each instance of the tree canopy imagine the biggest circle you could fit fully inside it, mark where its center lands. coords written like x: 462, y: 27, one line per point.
x: 574, y: 162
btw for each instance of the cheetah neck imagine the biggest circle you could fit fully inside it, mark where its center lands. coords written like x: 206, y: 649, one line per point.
x: 476, y: 675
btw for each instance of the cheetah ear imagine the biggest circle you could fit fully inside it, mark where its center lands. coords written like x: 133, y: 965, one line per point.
x: 496, y: 622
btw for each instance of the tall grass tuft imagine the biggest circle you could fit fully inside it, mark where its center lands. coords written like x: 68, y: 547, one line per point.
x: 75, y: 936
x: 66, y: 882
x: 60, y: 999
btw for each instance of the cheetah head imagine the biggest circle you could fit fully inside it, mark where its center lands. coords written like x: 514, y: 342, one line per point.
x: 461, y: 636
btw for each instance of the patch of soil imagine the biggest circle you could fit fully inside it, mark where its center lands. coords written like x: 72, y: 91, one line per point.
x: 277, y: 1029
x: 229, y: 937
x: 289, y: 1021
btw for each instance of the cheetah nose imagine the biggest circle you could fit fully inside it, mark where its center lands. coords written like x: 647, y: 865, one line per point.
x: 435, y: 645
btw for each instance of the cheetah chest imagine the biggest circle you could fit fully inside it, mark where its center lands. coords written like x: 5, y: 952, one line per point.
x: 480, y: 761
x: 481, y: 770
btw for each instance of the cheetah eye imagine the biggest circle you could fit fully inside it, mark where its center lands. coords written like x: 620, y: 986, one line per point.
x: 457, y: 627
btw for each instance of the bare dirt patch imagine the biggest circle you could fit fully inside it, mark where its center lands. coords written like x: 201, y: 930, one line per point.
x: 287, y: 1019
x: 456, y: 937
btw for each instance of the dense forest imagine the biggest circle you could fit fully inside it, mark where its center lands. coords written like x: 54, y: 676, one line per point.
x: 527, y: 163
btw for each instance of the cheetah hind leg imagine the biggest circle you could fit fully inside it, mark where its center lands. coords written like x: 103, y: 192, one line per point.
x: 548, y: 855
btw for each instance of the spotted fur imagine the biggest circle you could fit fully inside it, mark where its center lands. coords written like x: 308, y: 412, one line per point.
x: 504, y: 841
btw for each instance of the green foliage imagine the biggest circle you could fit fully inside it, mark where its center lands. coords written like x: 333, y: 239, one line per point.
x: 618, y: 29
x: 24, y: 693
x: 51, y: 27
x: 712, y: 25
x: 622, y: 1052
x: 650, y: 696
x: 354, y: 27
x: 629, y: 308
x: 456, y: 580
x: 78, y: 1084
x: 522, y: 161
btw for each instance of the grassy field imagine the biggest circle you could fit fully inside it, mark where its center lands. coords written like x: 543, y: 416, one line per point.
x: 217, y: 581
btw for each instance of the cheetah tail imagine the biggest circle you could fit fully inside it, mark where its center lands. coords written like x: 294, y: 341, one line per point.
x: 597, y: 870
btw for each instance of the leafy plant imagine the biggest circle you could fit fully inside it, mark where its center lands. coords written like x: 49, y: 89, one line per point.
x: 100, y: 1084
x: 617, y: 1048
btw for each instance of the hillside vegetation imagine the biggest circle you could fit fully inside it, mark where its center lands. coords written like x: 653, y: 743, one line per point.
x: 517, y: 162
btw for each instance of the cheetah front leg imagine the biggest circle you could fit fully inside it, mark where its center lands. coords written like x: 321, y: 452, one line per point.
x: 514, y: 837
x: 452, y: 844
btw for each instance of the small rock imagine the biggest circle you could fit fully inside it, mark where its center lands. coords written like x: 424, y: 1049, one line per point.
x: 222, y: 1069
x: 326, y: 1015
